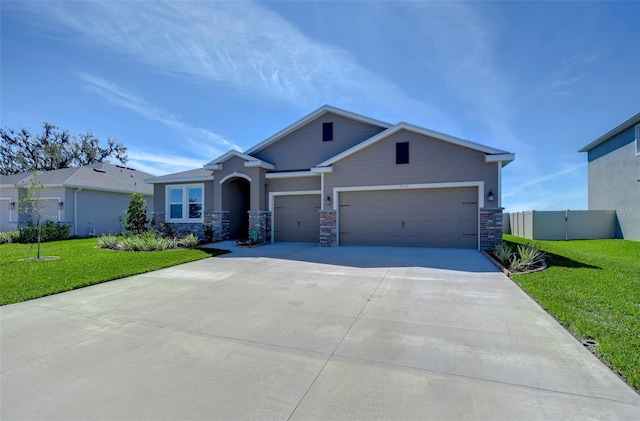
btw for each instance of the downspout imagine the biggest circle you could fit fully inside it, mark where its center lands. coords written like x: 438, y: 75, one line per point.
x: 75, y: 211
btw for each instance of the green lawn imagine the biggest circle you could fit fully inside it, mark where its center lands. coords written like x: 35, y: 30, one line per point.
x: 80, y: 264
x: 593, y: 288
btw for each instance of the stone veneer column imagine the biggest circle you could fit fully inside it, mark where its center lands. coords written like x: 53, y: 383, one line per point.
x: 261, y: 221
x: 328, y: 228
x: 490, y: 228
x: 157, y: 218
x: 219, y: 223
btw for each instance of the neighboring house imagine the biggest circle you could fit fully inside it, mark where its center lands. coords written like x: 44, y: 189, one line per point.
x: 614, y: 176
x: 339, y: 178
x: 91, y: 198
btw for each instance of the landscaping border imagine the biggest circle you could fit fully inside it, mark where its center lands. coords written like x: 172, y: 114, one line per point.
x: 543, y: 266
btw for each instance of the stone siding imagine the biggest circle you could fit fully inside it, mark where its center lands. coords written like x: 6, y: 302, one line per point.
x: 261, y: 221
x: 328, y: 228
x: 490, y: 228
x: 219, y: 222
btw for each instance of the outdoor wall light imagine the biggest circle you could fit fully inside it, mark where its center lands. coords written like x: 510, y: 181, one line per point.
x: 490, y: 196
x: 60, y: 205
x: 12, y: 205
x: 328, y: 200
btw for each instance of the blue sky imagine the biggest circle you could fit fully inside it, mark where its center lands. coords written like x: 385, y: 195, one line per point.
x: 180, y: 83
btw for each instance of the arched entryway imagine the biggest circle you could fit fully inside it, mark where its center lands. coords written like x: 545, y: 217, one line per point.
x: 236, y: 200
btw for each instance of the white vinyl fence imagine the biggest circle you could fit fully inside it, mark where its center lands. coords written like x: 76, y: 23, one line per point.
x: 561, y: 225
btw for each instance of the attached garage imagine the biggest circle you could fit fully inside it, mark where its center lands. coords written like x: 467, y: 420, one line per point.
x: 436, y: 217
x: 296, y: 218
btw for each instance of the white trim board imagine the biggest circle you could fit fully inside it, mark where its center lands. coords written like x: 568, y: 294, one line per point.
x: 272, y: 200
x: 422, y: 131
x: 337, y: 190
x: 234, y: 175
x: 290, y: 174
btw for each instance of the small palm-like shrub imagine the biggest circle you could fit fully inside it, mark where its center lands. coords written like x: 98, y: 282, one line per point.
x: 530, y: 256
x: 9, y: 237
x: 523, y: 257
x: 149, y: 241
x: 109, y: 242
x: 503, y: 252
x: 189, y: 241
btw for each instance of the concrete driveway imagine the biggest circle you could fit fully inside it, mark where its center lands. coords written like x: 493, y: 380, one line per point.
x: 301, y: 332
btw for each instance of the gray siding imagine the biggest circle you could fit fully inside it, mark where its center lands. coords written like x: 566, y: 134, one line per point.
x: 430, y: 161
x: 613, y: 184
x: 8, y: 216
x: 103, y: 212
x: 293, y: 184
x: 304, y: 148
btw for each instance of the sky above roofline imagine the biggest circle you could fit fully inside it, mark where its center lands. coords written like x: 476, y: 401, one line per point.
x: 180, y: 83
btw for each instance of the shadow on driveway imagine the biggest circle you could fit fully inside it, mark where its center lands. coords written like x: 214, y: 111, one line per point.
x: 461, y: 260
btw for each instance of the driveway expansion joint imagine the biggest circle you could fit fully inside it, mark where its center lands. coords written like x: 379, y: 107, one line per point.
x: 339, y: 343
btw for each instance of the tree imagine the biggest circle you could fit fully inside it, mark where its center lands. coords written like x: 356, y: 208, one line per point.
x: 136, y: 220
x: 33, y: 205
x: 53, y: 149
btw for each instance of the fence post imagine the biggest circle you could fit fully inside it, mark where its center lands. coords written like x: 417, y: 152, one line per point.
x: 566, y: 225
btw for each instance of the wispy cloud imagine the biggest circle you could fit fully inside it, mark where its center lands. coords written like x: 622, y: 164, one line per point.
x: 543, y: 179
x: 460, y: 45
x: 551, y: 199
x: 242, y: 46
x: 116, y: 94
x: 160, y: 164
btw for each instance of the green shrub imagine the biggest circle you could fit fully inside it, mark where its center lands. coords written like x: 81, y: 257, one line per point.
x: 503, y: 252
x: 50, y: 231
x: 149, y: 241
x: 110, y: 242
x: 526, y: 258
x: 189, y: 241
x: 9, y: 237
x: 136, y: 220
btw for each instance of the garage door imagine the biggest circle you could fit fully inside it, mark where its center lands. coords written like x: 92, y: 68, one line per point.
x: 296, y: 218
x: 411, y: 218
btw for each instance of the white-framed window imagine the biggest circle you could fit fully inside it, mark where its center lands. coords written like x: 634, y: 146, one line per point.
x: 637, y: 139
x: 184, y: 203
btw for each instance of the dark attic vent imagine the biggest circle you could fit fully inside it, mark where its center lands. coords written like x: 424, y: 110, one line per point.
x: 327, y: 132
x: 97, y: 170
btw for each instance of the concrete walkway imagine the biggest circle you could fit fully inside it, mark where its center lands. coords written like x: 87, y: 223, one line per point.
x: 301, y: 332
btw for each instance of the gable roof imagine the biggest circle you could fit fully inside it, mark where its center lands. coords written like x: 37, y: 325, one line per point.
x: 216, y: 164
x: 198, y: 174
x: 622, y: 127
x: 309, y: 118
x: 498, y: 154
x: 99, y: 176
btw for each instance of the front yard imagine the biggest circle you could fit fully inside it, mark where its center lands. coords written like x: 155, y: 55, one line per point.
x: 593, y: 288
x: 80, y: 264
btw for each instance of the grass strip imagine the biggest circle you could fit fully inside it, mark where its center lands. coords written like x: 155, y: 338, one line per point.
x: 80, y: 263
x: 593, y: 288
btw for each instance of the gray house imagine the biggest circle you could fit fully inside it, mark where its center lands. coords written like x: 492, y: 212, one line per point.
x: 614, y: 176
x: 339, y: 178
x: 91, y: 198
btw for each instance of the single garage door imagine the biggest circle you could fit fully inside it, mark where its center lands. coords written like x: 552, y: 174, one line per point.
x: 411, y: 218
x: 297, y: 218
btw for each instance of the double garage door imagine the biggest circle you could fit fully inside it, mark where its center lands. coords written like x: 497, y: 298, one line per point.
x: 407, y: 217
x: 411, y: 218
